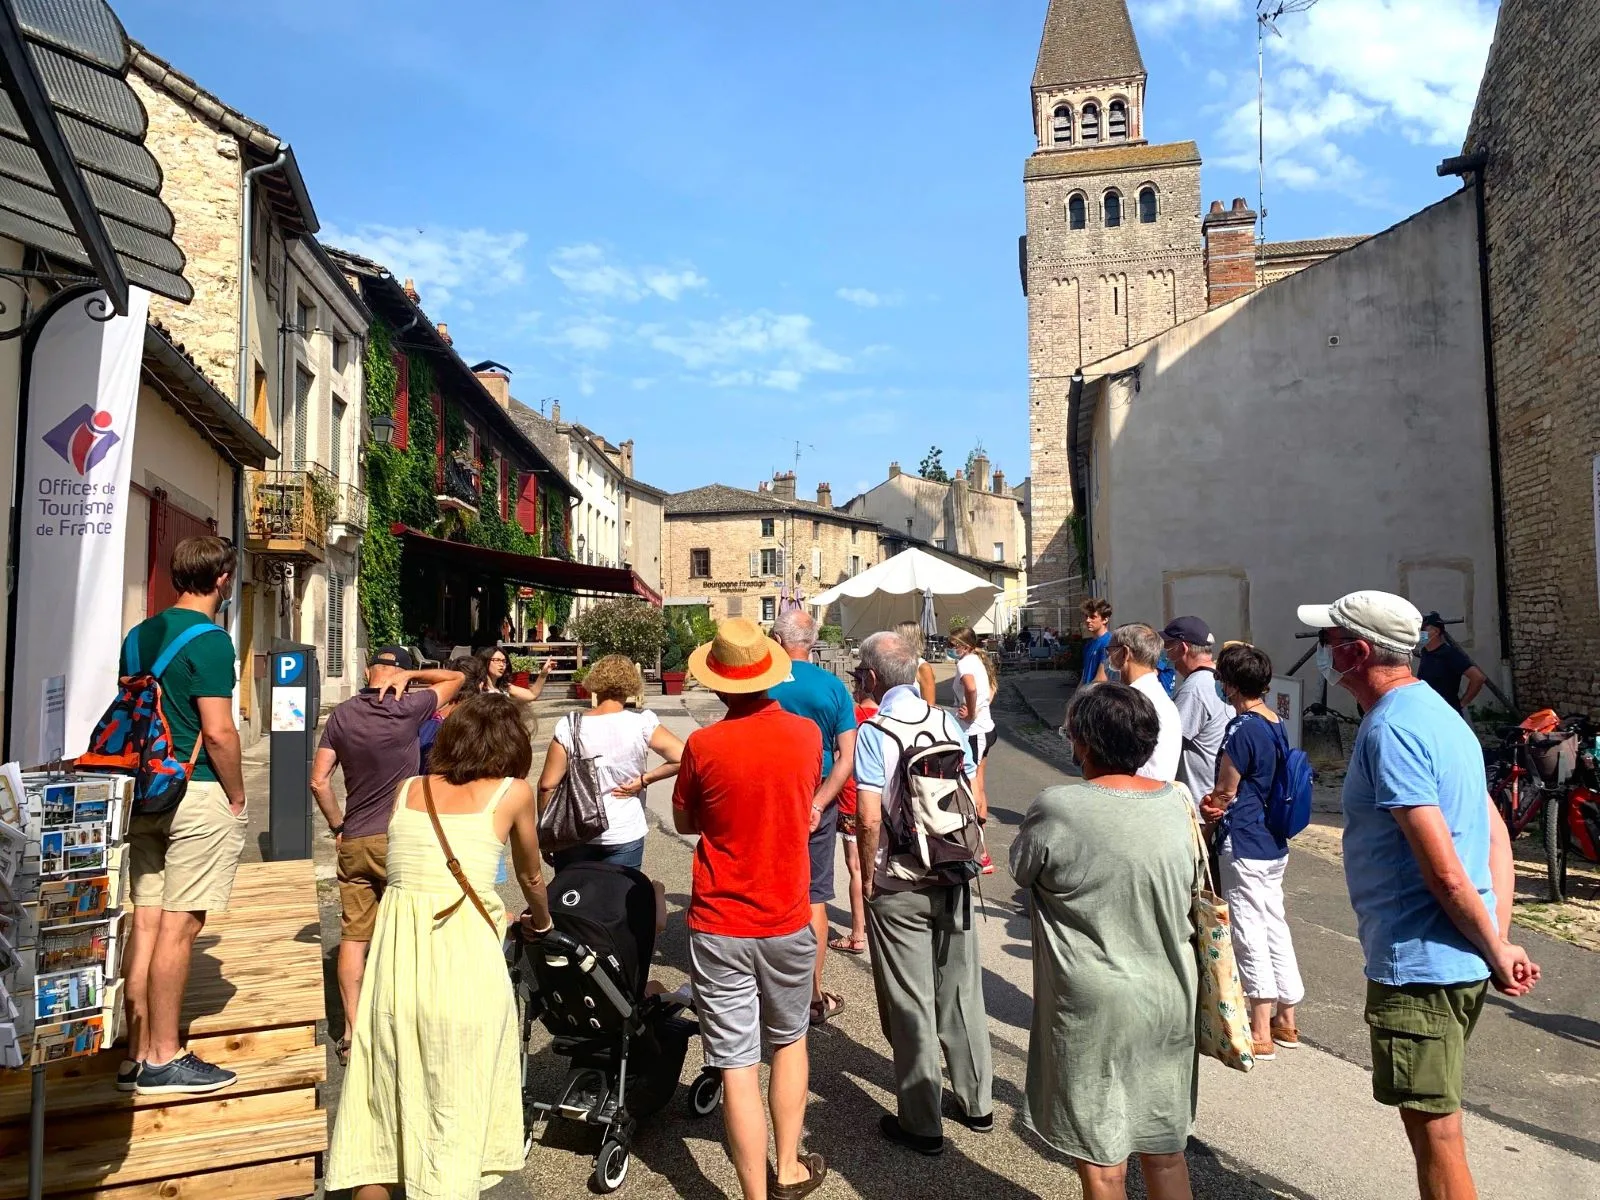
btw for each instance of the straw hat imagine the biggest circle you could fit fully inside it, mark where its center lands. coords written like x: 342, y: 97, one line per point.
x: 740, y: 659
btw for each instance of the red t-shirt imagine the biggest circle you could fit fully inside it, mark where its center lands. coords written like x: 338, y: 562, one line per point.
x: 847, y: 797
x: 748, y: 782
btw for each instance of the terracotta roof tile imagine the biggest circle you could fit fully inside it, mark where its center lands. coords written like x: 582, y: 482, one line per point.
x: 1085, y: 41
x: 1329, y: 245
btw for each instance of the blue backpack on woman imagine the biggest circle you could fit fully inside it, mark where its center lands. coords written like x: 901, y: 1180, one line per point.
x: 1288, y: 804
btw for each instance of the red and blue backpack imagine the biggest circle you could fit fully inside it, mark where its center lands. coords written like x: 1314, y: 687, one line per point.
x: 134, y: 738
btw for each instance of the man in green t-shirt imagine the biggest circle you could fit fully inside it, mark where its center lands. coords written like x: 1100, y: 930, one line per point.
x: 182, y: 862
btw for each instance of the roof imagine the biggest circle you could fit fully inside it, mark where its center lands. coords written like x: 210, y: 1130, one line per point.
x: 1308, y: 246
x: 532, y: 570
x: 1085, y: 41
x: 75, y: 178
x: 1051, y: 164
x: 184, y: 386
x: 542, y: 432
x: 285, y: 188
x: 718, y: 499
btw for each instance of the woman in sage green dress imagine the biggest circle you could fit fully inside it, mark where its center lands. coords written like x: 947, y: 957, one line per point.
x: 1110, y: 867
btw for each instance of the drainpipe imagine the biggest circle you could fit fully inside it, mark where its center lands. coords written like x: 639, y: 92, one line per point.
x: 1474, y: 164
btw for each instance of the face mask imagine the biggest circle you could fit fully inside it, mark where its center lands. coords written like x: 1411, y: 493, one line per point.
x: 223, y: 610
x: 1221, y: 695
x: 1326, y: 667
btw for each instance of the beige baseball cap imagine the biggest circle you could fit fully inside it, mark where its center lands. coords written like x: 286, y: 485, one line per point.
x: 1382, y: 618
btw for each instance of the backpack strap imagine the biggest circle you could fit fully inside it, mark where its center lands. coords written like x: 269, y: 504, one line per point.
x: 164, y: 660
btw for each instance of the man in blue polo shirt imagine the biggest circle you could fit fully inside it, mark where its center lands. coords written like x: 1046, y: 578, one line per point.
x: 1097, y: 628
x: 821, y: 697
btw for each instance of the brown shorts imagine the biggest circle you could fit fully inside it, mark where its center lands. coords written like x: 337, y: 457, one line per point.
x: 847, y: 826
x: 363, y: 872
x: 184, y: 860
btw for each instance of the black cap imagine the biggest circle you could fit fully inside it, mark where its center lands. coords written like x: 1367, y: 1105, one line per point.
x: 1192, y: 630
x: 394, y: 656
x: 1433, y: 619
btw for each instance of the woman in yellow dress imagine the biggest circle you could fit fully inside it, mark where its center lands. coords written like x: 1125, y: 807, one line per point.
x: 432, y: 1099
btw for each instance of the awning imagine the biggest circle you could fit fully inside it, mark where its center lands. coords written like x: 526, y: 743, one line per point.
x: 212, y: 415
x: 531, y: 570
x: 75, y: 178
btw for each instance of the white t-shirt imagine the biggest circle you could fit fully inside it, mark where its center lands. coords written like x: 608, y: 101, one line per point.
x: 620, y: 745
x: 970, y: 666
x: 1163, y: 763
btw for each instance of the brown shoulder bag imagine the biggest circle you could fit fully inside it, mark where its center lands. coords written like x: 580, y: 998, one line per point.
x: 453, y: 864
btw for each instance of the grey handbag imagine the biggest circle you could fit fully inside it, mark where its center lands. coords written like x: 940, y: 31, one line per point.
x: 576, y: 813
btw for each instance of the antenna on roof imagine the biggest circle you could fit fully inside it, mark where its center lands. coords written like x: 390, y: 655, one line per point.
x: 797, y: 455
x: 1267, y: 14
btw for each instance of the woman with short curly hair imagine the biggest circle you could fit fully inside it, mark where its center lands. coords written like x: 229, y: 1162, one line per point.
x: 620, y: 741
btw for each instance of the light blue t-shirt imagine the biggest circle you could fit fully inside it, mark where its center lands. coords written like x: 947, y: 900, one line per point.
x: 904, y: 703
x: 1413, y: 750
x: 822, y: 698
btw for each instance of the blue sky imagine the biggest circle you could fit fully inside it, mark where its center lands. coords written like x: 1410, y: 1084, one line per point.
x: 724, y: 228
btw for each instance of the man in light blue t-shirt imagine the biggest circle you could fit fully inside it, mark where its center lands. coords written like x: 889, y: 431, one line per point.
x: 1428, y: 865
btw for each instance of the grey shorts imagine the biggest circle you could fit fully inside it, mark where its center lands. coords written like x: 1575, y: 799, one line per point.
x: 750, y: 990
x: 820, y: 848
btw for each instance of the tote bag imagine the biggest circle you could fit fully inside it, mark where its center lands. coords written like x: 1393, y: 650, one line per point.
x: 1222, y: 1019
x: 576, y: 813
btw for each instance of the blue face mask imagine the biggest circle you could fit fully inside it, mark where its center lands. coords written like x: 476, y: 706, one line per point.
x: 1221, y: 695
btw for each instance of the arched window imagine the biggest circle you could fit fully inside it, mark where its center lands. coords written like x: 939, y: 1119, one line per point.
x: 1090, y: 124
x: 1147, y: 206
x: 1077, y: 211
x: 1061, y: 126
x: 1117, y: 120
x: 1113, y: 210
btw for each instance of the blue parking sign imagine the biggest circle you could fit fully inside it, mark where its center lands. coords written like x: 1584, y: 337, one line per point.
x: 288, y: 668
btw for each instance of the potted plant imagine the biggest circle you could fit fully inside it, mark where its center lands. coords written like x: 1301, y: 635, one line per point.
x: 674, y: 660
x: 579, y: 692
x: 522, y: 668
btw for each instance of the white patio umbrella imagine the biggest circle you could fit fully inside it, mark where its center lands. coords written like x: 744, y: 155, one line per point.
x: 912, y: 586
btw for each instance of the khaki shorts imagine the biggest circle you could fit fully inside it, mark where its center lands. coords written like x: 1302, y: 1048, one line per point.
x: 1419, y: 1042
x: 184, y: 860
x: 363, y: 873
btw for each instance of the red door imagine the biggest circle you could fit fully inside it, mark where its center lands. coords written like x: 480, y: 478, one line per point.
x: 169, y: 525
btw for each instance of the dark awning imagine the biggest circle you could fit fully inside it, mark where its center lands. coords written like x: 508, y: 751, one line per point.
x: 531, y: 570
x: 75, y: 178
x: 212, y: 415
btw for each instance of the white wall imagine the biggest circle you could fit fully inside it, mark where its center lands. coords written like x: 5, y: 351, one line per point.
x: 1255, y: 467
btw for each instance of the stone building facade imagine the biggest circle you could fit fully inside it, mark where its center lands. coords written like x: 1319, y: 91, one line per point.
x: 742, y: 552
x: 1543, y: 244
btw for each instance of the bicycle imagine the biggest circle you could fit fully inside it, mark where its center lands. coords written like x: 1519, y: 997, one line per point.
x: 1529, y: 773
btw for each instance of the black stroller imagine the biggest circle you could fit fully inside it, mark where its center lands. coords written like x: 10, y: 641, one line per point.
x: 585, y: 982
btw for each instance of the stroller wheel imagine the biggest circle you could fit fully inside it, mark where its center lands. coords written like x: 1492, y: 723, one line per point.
x: 610, y: 1167
x: 705, y: 1093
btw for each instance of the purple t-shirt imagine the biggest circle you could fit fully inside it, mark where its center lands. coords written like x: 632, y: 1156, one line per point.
x: 377, y: 745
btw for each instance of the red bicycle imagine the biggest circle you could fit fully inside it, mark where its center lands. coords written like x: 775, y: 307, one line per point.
x: 1535, y: 772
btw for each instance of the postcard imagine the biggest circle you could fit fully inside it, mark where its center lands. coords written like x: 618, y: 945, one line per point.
x: 53, y: 852
x: 10, y: 1048
x: 67, y: 1039
x: 57, y: 997
x: 69, y: 947
x: 57, y: 805
x: 68, y: 901
x: 10, y: 960
x: 13, y: 797
x: 90, y: 812
x: 13, y: 849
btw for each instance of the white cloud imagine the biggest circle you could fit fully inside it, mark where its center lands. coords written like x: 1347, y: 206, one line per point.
x: 866, y: 298
x: 1161, y: 13
x: 586, y: 270
x: 445, y: 263
x: 759, y: 349
x: 586, y: 334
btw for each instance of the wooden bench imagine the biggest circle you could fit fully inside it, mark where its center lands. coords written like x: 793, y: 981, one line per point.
x: 255, y: 997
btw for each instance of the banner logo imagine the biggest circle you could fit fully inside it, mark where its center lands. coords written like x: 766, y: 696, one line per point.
x: 83, y: 439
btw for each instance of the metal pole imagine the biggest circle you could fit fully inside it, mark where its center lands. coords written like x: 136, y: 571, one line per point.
x: 1261, y: 126
x: 36, y: 1137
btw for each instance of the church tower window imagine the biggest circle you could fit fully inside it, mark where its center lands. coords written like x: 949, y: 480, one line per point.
x: 1077, y: 211
x: 1113, y: 210
x: 1090, y: 124
x: 1147, y: 206
x: 1117, y: 120
x: 1061, y: 126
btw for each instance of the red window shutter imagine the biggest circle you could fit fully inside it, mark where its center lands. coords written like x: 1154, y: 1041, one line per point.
x: 438, y: 456
x: 402, y: 402
x: 528, y: 502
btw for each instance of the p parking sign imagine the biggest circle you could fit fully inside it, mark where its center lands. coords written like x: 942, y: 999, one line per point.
x: 289, y: 691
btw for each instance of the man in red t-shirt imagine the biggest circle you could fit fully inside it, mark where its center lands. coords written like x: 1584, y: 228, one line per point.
x: 745, y: 786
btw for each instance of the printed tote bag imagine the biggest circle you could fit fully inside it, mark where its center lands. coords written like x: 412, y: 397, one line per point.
x: 1222, y: 1021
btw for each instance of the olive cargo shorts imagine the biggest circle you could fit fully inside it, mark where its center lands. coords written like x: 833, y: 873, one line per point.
x: 1419, y: 1042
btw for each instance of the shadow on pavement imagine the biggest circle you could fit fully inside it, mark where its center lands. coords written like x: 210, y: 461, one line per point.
x: 1575, y: 1029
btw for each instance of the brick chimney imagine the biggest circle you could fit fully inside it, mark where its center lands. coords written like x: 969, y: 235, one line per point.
x: 1230, y: 253
x: 783, y: 485
x: 626, y: 451
x: 410, y: 290
x: 894, y: 470
x: 825, y: 495
x: 762, y: 486
x: 555, y: 412
x: 999, y: 483
x: 498, y: 385
x: 444, y: 334
x: 980, y: 471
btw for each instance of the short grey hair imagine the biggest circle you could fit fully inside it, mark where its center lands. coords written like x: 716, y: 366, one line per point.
x: 795, y: 628
x: 1382, y: 657
x: 891, y: 658
x: 1142, y: 643
x: 1202, y: 649
x: 912, y: 633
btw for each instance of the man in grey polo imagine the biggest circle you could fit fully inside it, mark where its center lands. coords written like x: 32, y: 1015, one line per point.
x: 1190, y: 648
x: 925, y: 953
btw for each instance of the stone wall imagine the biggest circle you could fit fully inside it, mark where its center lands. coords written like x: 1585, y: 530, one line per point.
x: 1544, y: 257
x: 930, y: 508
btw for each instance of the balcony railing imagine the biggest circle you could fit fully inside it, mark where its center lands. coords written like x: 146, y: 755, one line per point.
x: 350, y: 507
x: 463, y: 484
x: 290, y: 510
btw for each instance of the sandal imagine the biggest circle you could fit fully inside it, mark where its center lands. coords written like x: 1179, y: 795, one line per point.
x: 846, y: 944
x: 824, y: 1010
x: 341, y: 1051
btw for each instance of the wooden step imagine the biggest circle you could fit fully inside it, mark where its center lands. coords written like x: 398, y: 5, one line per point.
x: 293, y: 1177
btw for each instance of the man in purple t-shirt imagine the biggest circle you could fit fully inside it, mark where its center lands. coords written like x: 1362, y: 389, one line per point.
x: 373, y: 737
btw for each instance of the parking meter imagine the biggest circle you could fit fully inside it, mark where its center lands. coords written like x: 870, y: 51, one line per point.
x: 296, y: 702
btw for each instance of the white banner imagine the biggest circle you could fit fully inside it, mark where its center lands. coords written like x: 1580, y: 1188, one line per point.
x: 77, y: 455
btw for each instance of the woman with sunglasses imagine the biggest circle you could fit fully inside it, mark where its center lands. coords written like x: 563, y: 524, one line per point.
x: 497, y: 676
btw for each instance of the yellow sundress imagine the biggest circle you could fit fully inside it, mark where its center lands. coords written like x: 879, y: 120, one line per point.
x: 432, y: 1097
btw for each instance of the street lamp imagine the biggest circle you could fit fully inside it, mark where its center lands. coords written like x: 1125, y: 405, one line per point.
x: 582, y: 542
x: 383, y: 430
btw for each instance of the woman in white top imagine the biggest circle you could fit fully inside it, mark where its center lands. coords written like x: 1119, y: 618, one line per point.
x: 620, y: 741
x: 912, y: 633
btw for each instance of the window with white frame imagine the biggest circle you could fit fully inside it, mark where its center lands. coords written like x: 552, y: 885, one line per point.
x: 768, y: 526
x: 999, y: 552
x: 769, y: 608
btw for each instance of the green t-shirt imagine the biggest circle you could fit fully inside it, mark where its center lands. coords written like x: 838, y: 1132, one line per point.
x: 205, y: 667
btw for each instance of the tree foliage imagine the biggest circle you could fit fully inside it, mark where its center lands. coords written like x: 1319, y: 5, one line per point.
x: 629, y: 627
x: 932, y: 466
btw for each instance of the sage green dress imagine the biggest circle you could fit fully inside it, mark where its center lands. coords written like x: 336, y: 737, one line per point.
x: 1111, y: 1056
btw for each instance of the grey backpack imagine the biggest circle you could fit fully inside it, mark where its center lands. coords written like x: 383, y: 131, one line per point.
x: 576, y: 813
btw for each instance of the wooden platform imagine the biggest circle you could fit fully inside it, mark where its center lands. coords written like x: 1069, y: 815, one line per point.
x: 255, y: 996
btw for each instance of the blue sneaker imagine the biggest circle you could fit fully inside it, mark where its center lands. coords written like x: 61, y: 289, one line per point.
x: 127, y: 1075
x: 186, y: 1075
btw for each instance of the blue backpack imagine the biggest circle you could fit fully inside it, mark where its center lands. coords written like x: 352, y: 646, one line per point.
x: 1289, y: 802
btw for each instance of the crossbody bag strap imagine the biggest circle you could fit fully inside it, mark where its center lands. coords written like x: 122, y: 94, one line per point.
x: 452, y: 864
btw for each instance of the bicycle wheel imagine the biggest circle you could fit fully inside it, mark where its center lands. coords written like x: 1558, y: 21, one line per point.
x: 1504, y: 792
x: 1555, y: 846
